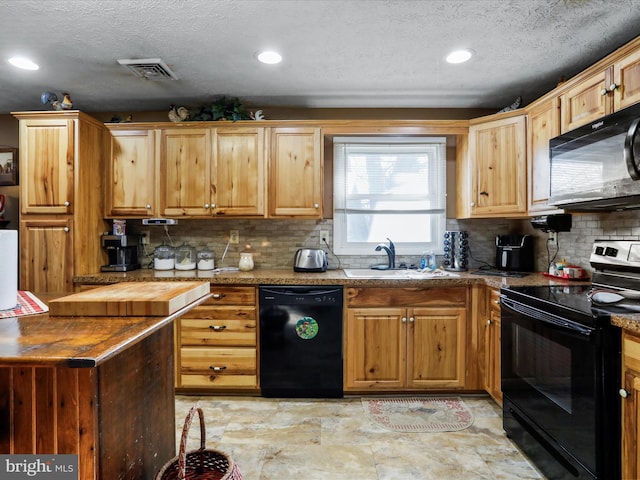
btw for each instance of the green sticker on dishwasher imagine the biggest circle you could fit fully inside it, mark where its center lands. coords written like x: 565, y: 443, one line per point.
x: 307, y: 328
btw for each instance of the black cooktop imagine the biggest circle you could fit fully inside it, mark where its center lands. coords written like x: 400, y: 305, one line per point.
x: 570, y: 301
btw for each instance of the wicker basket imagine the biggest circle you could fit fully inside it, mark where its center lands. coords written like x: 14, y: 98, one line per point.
x: 201, y: 464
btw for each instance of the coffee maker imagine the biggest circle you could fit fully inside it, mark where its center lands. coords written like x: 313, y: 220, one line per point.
x: 122, y: 251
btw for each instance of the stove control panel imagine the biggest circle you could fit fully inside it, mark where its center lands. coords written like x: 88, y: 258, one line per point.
x: 615, y: 254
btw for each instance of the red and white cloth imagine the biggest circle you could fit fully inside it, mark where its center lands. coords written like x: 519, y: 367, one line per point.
x: 28, y: 304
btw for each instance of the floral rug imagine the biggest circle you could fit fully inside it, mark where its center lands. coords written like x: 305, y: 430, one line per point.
x: 419, y: 414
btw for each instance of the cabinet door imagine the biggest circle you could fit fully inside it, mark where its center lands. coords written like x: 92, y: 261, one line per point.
x: 436, y: 347
x: 631, y: 406
x: 47, y: 159
x: 131, y: 179
x: 238, y: 172
x: 375, y: 348
x: 295, y: 173
x: 544, y: 124
x: 185, y: 159
x: 587, y: 101
x: 46, y: 255
x: 627, y: 78
x: 499, y: 178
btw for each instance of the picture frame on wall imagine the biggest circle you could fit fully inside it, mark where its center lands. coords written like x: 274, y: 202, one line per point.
x: 8, y: 166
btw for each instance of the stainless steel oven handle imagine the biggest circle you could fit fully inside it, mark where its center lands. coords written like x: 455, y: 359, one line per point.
x: 544, y: 316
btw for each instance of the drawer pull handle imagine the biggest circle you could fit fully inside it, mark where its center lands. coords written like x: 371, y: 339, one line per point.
x: 218, y: 295
x: 218, y: 369
x: 217, y: 328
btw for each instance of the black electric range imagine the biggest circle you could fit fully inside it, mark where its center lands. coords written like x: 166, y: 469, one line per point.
x: 561, y: 363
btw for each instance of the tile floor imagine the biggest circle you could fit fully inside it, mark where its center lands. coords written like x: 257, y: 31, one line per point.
x: 312, y: 439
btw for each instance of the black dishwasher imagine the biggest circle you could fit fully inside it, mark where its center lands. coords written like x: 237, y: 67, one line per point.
x: 301, y: 341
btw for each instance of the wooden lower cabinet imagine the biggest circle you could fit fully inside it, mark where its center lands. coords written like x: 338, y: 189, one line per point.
x: 491, y: 359
x: 46, y: 253
x: 216, y: 343
x: 630, y: 406
x: 419, y: 345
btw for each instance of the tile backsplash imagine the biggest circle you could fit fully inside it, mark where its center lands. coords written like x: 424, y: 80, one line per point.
x: 274, y: 242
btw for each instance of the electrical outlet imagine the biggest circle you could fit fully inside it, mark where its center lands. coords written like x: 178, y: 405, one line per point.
x: 234, y: 236
x: 145, y: 237
x: 553, y: 237
x: 324, y: 236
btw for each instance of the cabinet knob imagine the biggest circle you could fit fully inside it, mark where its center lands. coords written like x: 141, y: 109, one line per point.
x: 218, y: 369
x: 148, y: 206
x: 316, y: 206
x: 472, y: 204
x: 604, y: 91
x: 624, y: 393
x: 218, y: 296
x: 213, y: 205
x: 66, y: 229
x: 206, y: 205
x: 66, y: 204
x: 613, y: 86
x: 411, y: 319
x: 218, y: 328
x: 497, y: 302
x: 404, y: 319
x: 489, y: 322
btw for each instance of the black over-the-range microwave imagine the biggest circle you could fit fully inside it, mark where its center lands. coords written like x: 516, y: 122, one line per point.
x: 596, y: 167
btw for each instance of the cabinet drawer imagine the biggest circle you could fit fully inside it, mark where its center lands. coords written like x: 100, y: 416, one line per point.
x: 218, y: 361
x: 219, y: 381
x: 227, y: 295
x: 406, y: 297
x: 222, y: 331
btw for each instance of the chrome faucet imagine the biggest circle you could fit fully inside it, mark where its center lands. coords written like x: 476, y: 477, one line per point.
x: 391, y: 252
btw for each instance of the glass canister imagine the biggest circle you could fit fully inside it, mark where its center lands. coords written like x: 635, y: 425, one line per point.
x: 163, y: 257
x: 205, y: 259
x: 185, y: 257
x: 246, y: 261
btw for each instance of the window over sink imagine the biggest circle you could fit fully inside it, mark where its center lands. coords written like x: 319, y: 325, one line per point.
x: 389, y: 187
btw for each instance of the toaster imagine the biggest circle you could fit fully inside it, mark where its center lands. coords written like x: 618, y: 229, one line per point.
x: 310, y: 260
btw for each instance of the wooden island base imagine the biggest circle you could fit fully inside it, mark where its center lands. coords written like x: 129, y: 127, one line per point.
x: 83, y: 410
x: 98, y: 387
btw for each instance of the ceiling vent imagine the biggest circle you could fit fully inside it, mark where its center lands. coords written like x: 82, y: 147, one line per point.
x: 149, y: 68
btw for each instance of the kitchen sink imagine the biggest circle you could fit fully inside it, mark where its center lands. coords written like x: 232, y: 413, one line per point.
x: 371, y: 273
x: 395, y: 273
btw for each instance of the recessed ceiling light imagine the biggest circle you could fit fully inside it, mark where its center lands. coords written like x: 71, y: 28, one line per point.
x: 270, y: 57
x: 24, y: 63
x: 459, y: 56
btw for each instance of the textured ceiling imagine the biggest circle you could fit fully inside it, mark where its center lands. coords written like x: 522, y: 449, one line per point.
x: 355, y: 53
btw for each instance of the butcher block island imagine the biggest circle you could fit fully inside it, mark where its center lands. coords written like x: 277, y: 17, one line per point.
x: 96, y: 383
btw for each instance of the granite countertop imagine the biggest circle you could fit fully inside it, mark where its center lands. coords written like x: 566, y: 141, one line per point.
x: 630, y: 322
x: 330, y: 277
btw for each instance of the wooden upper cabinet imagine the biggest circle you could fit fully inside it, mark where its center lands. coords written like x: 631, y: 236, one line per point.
x: 185, y: 159
x: 498, y: 168
x: 587, y: 100
x: 47, y: 158
x: 295, y: 173
x: 544, y: 124
x: 131, y: 178
x: 238, y: 171
x: 626, y: 78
